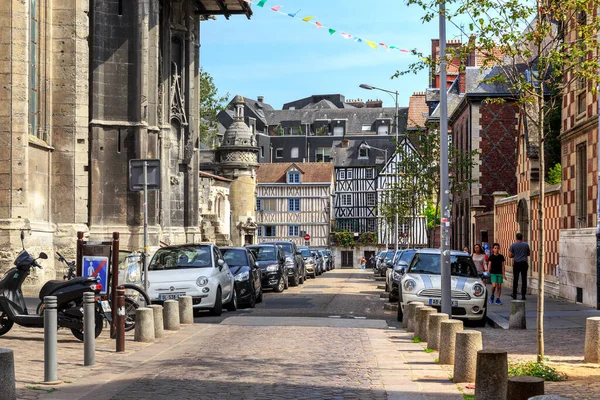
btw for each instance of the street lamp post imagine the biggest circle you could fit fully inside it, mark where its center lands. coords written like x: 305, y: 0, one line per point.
x: 395, y: 97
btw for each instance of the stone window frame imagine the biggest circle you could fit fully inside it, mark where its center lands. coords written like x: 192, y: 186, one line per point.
x: 33, y: 72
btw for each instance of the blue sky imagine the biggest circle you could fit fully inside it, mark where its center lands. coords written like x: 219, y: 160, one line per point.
x: 285, y: 59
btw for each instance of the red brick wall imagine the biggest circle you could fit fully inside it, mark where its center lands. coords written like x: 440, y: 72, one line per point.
x: 506, y: 226
x: 484, y: 222
x: 551, y: 232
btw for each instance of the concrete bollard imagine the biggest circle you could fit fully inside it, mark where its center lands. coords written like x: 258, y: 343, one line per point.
x: 448, y: 331
x: 423, y: 321
x: 411, y: 315
x: 492, y: 375
x: 171, y: 315
x: 186, y: 310
x: 591, y: 353
x: 548, y: 397
x: 50, y: 341
x: 7, y: 375
x: 517, y: 315
x: 144, y: 325
x: 157, y: 314
x: 524, y: 387
x: 468, y: 343
x: 433, y: 334
x: 89, y: 329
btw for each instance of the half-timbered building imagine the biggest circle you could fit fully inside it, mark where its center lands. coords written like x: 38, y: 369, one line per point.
x: 293, y: 200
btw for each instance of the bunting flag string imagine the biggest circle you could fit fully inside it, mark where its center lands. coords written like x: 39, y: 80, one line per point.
x: 309, y: 19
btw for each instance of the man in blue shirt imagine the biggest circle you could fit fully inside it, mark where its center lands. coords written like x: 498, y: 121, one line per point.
x: 519, y: 251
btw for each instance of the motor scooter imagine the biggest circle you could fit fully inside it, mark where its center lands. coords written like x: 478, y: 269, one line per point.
x: 69, y: 295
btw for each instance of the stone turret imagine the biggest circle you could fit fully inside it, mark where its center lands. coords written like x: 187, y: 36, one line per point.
x: 237, y: 159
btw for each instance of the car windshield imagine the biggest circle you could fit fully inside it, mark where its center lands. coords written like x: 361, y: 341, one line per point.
x: 426, y: 263
x: 287, y: 248
x: 305, y: 253
x: 264, y: 253
x: 389, y: 254
x: 235, y: 257
x: 406, y: 256
x: 181, y: 257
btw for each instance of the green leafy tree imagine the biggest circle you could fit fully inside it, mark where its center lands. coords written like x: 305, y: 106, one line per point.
x: 554, y: 175
x: 539, y: 50
x: 210, y: 105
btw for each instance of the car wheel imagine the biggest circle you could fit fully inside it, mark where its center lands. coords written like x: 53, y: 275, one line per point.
x: 400, y: 314
x: 287, y: 283
x: 393, y: 299
x: 218, y: 308
x: 232, y: 305
x: 280, y: 285
x: 252, y: 302
x: 301, y: 280
x: 294, y: 281
x: 259, y: 299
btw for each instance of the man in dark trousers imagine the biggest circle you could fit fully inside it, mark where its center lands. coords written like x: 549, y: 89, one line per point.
x: 519, y: 251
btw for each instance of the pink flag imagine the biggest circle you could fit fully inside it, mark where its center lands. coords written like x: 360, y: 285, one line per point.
x: 276, y: 8
x: 405, y: 51
x: 385, y: 45
x: 318, y: 24
x: 346, y: 35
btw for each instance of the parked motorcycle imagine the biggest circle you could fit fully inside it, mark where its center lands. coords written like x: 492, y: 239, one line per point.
x: 69, y: 295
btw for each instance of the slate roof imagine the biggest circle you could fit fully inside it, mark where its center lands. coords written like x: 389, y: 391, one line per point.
x: 348, y: 156
x: 311, y: 172
x: 356, y: 117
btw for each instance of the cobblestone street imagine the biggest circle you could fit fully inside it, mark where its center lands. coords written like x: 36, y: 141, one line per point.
x: 327, y: 339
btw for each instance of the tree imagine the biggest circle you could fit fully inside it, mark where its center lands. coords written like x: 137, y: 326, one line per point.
x: 210, y: 105
x: 539, y: 50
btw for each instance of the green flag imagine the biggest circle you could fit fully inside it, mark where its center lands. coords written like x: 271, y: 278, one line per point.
x: 261, y: 3
x: 331, y: 31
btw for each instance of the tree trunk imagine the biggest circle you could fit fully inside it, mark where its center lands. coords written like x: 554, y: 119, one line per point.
x: 541, y: 258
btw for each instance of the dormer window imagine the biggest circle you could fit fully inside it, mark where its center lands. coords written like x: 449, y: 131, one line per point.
x: 363, y: 152
x: 293, y: 177
x: 383, y: 129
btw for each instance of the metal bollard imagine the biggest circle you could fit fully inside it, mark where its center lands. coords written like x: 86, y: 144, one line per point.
x: 50, y: 341
x: 89, y: 329
x: 120, y: 323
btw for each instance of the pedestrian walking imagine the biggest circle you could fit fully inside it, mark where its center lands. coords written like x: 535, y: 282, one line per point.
x: 496, y: 268
x: 363, y: 263
x: 480, y: 259
x: 372, y: 261
x: 519, y: 251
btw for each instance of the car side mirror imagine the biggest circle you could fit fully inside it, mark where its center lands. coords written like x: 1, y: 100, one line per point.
x: 256, y: 265
x: 220, y: 263
x: 43, y: 256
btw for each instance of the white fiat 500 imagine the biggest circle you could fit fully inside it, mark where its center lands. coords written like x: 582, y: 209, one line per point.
x: 196, y: 270
x: 422, y: 282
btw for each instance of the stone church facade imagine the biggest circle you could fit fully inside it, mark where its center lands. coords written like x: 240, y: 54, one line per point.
x: 86, y: 86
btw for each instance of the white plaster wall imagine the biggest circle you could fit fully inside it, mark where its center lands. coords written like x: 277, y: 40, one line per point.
x: 577, y: 252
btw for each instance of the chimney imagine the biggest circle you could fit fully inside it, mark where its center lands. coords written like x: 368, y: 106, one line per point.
x: 374, y: 103
x: 345, y: 143
x: 358, y: 103
x: 261, y: 99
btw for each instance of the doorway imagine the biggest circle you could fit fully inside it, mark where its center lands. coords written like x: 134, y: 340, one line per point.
x: 348, y: 259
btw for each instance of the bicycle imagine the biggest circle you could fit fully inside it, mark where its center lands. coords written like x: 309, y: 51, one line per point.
x: 135, y: 296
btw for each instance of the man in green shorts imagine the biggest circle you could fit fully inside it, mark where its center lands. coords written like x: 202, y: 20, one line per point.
x: 496, y: 268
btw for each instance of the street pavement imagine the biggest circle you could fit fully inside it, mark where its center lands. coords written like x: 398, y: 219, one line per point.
x: 327, y: 339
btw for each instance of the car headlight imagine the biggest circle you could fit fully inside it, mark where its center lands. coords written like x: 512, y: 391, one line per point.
x: 272, y: 268
x: 244, y: 276
x: 202, y: 281
x: 478, y: 290
x: 310, y: 261
x: 397, y: 276
x: 410, y: 285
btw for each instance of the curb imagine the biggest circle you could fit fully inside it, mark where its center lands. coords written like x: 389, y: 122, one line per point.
x: 496, y: 320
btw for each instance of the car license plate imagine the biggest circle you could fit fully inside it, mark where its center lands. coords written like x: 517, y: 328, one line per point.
x: 438, y: 302
x: 170, y: 296
x: 105, y: 306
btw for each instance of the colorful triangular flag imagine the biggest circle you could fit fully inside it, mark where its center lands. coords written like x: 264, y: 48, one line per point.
x: 358, y: 40
x: 318, y: 24
x: 385, y: 45
x: 261, y: 3
x: 404, y: 51
x: 276, y: 8
x: 346, y: 35
x: 331, y: 31
x: 371, y: 44
x: 293, y: 15
x: 306, y: 19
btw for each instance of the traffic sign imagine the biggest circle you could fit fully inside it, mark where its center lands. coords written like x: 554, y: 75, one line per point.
x: 96, y: 266
x: 136, y: 174
x: 307, y: 237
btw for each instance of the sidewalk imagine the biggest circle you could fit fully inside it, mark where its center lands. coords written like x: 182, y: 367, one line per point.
x: 558, y: 313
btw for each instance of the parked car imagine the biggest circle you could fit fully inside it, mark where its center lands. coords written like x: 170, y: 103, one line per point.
x: 331, y: 258
x: 294, y: 261
x: 327, y: 261
x: 246, y: 274
x: 387, y: 256
x: 196, y: 270
x: 318, y: 261
x: 309, y: 261
x: 422, y: 282
x: 394, y: 275
x: 271, y: 261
